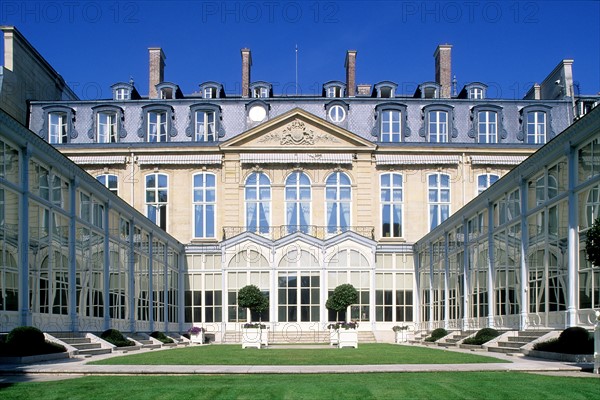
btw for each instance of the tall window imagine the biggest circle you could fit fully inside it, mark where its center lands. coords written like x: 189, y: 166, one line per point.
x: 485, y: 181
x: 439, y: 198
x: 107, y: 127
x: 536, y: 127
x: 391, y: 205
x: 297, y: 202
x: 157, y: 126
x: 204, y: 205
x: 487, y: 126
x: 338, y: 194
x: 258, y: 203
x: 157, y: 188
x: 205, y: 126
x: 438, y: 126
x: 110, y: 181
x: 390, y: 126
x: 57, y: 124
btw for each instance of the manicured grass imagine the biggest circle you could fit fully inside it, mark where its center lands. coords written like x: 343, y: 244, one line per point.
x: 439, y: 385
x: 235, y: 355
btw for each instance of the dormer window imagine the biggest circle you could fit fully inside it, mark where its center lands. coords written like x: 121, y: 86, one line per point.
x: 204, y: 122
x: 487, y: 126
x: 536, y: 127
x: 158, y: 123
x: 334, y: 89
x: 429, y: 90
x: 385, y: 89
x: 438, y: 123
x: 257, y: 111
x: 473, y: 91
x: 211, y: 90
x: 108, y: 124
x: 59, y: 127
x: 336, y: 111
x: 168, y: 91
x: 392, y: 122
x: 260, y: 90
x: 124, y: 91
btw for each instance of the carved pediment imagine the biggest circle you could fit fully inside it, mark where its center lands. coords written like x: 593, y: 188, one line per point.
x: 298, y: 129
x: 296, y: 133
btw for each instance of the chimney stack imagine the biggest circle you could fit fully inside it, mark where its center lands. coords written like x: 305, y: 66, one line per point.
x: 157, y: 70
x: 443, y: 69
x: 350, y: 65
x: 246, y: 64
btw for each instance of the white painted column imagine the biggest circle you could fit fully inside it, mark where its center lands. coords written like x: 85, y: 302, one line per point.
x: 106, y: 262
x: 24, y: 234
x: 73, y: 184
x: 491, y: 266
x: 573, y: 240
x: 151, y: 281
x: 132, y: 277
x: 446, y: 283
x: 524, y: 245
x: 466, y: 280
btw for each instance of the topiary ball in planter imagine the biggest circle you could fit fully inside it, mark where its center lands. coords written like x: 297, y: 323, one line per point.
x: 161, y: 337
x: 576, y: 340
x: 24, y: 336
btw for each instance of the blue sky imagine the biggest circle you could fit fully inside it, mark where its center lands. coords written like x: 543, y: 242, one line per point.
x: 505, y: 44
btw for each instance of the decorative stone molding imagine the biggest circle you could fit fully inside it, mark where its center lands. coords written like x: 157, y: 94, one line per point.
x: 296, y: 133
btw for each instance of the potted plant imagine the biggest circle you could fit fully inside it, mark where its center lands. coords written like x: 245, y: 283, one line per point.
x: 400, y: 331
x: 196, y: 334
x: 253, y: 334
x: 343, y: 334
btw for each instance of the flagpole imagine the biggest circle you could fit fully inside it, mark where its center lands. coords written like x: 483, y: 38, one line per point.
x: 296, y: 70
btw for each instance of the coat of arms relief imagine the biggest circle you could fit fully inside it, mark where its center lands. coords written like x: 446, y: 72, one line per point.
x: 296, y: 133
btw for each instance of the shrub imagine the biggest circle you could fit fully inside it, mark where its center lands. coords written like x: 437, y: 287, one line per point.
x: 574, y: 340
x: 28, y: 341
x: 115, y: 337
x: 437, y: 334
x: 161, y: 337
x: 482, y: 336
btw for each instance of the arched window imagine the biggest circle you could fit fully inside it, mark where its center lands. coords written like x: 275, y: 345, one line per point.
x: 157, y: 189
x: 297, y: 202
x: 484, y: 181
x: 338, y: 195
x: 391, y: 205
x: 110, y: 181
x: 439, y: 198
x: 258, y: 203
x: 204, y: 205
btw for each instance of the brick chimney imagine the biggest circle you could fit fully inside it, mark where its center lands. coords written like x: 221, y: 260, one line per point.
x: 350, y: 65
x: 157, y: 70
x: 443, y: 69
x: 246, y: 64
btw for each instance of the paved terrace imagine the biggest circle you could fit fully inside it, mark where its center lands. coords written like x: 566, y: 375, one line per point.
x: 76, y: 367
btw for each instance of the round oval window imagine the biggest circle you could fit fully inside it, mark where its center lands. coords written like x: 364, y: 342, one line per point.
x: 257, y: 113
x: 337, y: 114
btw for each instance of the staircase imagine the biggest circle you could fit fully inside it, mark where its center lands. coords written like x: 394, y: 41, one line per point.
x: 513, y: 344
x: 84, y: 346
x: 457, y: 337
x: 146, y: 343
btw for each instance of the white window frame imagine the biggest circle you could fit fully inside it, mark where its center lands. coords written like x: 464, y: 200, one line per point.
x: 437, y: 129
x: 58, y: 132
x: 388, y: 119
x: 209, y: 93
x: 338, y: 201
x: 106, y: 127
x: 122, y: 94
x: 106, y: 180
x: 160, y: 122
x: 208, y: 132
x: 393, y: 189
x: 536, y: 129
x: 298, y: 201
x: 437, y: 188
x: 258, y: 202
x: 159, y: 206
x: 199, y: 199
x: 475, y: 93
x: 488, y: 181
x: 336, y: 113
x: 487, y: 130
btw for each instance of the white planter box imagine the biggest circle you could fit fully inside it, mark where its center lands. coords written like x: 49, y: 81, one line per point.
x: 401, y: 336
x: 199, y: 338
x: 334, y: 337
x: 348, y: 338
x: 254, y: 337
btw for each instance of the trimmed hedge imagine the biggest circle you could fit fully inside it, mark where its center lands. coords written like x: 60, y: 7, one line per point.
x: 115, y: 337
x: 28, y: 341
x: 574, y: 340
x: 161, y: 337
x: 482, y: 336
x: 437, y: 334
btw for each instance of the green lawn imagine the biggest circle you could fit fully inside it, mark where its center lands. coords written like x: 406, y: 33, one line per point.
x: 235, y: 355
x: 439, y: 385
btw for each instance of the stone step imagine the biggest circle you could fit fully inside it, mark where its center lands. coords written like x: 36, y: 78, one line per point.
x: 74, y: 341
x: 505, y: 350
x: 93, y: 352
x: 512, y: 345
x: 86, y: 346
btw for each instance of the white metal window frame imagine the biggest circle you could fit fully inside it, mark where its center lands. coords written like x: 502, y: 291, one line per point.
x: 391, y: 202
x: 204, y: 188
